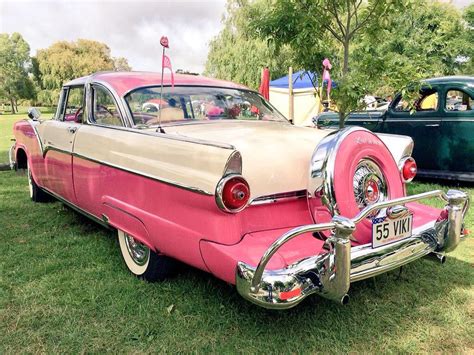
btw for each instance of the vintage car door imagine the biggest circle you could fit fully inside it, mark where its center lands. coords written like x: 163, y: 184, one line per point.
x: 91, y: 149
x: 57, y: 138
x: 423, y: 125
x: 457, y: 129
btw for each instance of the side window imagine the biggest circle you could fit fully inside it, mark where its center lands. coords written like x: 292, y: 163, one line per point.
x: 105, y: 111
x: 427, y: 101
x: 61, y: 105
x: 458, y: 100
x: 74, y: 105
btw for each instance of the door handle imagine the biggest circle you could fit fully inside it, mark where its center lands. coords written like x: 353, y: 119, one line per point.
x: 72, y: 130
x: 433, y: 125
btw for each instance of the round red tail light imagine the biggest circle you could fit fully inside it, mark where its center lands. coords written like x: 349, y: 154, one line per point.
x: 232, y: 193
x: 408, y: 169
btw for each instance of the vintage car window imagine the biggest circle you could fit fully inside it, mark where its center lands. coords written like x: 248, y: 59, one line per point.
x: 73, y: 111
x: 62, y: 104
x: 192, y: 103
x: 427, y: 101
x: 105, y: 111
x: 458, y: 100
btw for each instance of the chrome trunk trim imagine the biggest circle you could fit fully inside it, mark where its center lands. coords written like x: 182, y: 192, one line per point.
x: 331, y: 273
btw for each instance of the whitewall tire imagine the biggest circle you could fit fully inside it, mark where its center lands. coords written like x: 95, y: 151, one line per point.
x: 144, y: 262
x: 36, y: 193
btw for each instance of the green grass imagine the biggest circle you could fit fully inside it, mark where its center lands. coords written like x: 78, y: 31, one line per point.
x: 64, y: 288
x: 6, y: 129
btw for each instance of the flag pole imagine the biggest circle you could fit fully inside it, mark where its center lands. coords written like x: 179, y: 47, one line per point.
x: 161, y: 94
x: 164, y: 43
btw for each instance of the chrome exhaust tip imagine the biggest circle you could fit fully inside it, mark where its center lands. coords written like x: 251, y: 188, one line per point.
x: 438, y: 257
x: 345, y: 299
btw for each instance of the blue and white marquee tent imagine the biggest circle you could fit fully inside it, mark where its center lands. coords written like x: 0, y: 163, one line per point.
x: 306, y: 101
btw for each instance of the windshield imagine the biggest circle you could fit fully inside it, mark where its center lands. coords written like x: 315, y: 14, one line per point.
x: 187, y: 104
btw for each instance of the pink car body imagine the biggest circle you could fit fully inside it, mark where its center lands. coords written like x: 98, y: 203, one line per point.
x: 272, y: 208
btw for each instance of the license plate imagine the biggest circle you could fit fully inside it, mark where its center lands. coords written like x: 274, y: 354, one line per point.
x: 386, y: 230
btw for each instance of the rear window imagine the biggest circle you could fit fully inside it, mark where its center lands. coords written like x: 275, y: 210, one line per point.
x: 183, y: 104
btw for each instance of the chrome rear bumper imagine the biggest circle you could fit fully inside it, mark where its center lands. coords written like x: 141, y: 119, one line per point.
x: 331, y: 273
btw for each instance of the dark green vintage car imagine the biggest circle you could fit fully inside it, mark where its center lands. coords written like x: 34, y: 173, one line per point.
x: 442, y: 126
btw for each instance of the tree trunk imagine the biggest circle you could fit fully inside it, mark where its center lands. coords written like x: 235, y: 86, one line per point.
x: 342, y: 116
x: 12, y: 103
x: 345, y: 68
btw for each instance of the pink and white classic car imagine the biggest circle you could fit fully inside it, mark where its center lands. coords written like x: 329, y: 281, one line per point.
x: 215, y: 177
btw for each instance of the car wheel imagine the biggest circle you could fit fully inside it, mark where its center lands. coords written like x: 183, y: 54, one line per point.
x: 36, y: 193
x: 144, y: 262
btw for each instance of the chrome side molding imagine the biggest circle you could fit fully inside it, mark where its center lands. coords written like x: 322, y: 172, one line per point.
x: 331, y: 273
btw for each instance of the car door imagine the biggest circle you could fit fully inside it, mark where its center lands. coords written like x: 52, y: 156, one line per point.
x: 457, y: 129
x: 57, y: 137
x: 104, y: 121
x: 423, y: 125
x: 367, y: 119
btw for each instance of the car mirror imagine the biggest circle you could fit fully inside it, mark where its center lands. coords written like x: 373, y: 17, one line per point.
x: 34, y: 113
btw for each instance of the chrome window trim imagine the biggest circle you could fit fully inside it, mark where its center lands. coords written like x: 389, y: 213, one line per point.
x: 126, y: 118
x: 90, y: 116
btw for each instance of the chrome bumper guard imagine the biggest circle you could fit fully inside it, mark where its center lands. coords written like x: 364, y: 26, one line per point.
x: 331, y: 273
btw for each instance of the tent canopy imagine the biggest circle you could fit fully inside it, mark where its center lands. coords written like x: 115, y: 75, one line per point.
x: 301, y: 80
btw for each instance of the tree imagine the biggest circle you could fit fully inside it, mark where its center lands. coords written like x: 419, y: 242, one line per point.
x: 64, y: 61
x: 234, y: 55
x: 315, y: 29
x: 14, y: 64
x: 121, y: 64
x: 415, y: 45
x: 468, y: 17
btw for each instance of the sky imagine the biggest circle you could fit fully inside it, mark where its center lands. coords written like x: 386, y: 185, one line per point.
x: 131, y: 28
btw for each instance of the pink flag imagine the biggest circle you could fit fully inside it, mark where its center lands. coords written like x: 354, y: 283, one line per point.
x: 264, y: 88
x: 166, y: 63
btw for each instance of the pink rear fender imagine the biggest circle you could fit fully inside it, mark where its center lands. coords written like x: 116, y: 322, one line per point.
x: 175, y: 220
x: 221, y: 260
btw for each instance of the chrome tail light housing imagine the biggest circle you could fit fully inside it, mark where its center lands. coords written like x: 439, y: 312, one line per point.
x: 232, y: 193
x: 408, y: 169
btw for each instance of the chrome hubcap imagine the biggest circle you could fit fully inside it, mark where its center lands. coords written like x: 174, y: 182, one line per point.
x: 369, y: 184
x: 138, y: 251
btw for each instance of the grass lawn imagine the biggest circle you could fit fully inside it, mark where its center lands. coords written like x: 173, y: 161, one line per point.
x: 6, y: 129
x: 64, y: 288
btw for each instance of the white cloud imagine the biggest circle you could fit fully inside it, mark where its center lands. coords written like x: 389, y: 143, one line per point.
x: 131, y: 29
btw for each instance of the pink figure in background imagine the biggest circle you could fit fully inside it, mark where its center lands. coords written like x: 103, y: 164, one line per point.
x: 264, y: 88
x: 327, y: 76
